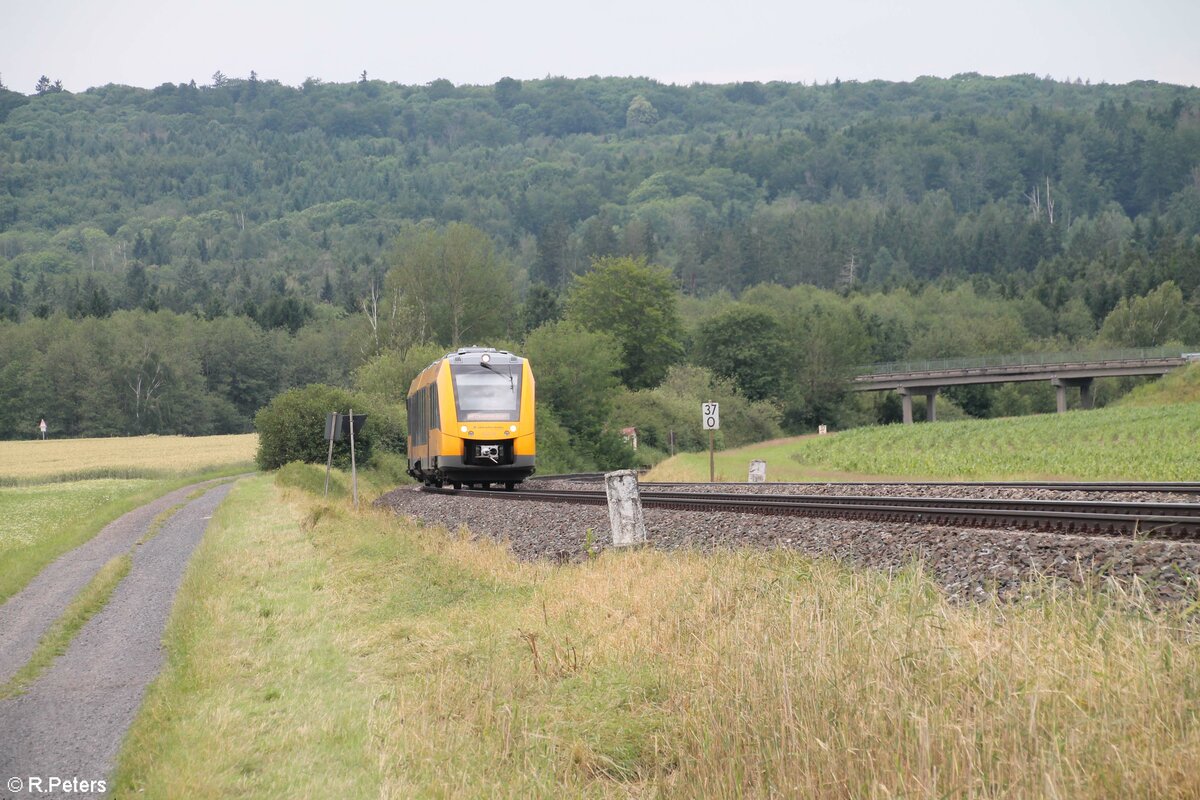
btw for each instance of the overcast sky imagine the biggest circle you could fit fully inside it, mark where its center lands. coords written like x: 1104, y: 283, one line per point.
x: 148, y: 42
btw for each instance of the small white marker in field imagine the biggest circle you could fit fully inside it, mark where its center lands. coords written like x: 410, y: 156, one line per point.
x: 625, y: 508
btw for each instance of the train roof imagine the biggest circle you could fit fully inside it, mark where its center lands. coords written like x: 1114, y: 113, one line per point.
x: 471, y: 355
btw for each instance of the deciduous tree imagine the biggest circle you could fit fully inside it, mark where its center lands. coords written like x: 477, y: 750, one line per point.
x: 746, y: 345
x: 636, y: 303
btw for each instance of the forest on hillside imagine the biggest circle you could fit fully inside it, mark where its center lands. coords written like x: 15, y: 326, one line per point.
x: 903, y: 214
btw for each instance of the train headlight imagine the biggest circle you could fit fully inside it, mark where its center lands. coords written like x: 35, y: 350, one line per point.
x: 463, y: 429
x: 512, y: 428
x: 485, y: 358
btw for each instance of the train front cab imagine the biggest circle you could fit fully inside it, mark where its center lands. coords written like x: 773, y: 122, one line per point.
x: 471, y: 420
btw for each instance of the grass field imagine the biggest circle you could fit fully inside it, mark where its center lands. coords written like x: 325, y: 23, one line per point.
x: 1128, y: 442
x: 35, y: 461
x: 734, y: 464
x: 1178, y: 386
x: 316, y: 651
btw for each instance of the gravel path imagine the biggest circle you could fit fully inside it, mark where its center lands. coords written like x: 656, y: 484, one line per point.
x: 968, y: 562
x: 70, y: 723
x: 28, y: 614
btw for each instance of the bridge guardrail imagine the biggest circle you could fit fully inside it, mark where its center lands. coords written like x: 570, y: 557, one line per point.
x: 1025, y: 360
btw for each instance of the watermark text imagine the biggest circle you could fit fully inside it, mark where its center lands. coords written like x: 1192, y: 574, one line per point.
x: 55, y: 784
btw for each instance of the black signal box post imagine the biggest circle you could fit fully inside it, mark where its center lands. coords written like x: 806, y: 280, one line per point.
x: 333, y: 427
x: 351, y: 424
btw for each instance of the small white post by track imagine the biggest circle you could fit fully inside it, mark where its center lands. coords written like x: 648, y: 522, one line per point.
x: 625, y: 508
x: 758, y: 472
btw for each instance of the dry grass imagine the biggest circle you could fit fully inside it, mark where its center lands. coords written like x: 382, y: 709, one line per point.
x: 27, y: 462
x: 427, y: 664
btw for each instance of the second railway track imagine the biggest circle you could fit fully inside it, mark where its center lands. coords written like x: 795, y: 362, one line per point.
x: 1172, y: 521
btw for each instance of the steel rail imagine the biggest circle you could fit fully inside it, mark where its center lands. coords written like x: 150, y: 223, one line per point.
x: 1177, y: 521
x: 1167, y: 487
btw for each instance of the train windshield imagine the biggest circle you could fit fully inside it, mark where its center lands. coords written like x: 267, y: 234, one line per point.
x: 487, y: 394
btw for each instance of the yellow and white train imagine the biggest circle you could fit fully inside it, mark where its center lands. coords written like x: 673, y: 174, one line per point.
x: 471, y: 420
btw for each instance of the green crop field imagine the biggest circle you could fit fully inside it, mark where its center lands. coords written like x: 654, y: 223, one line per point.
x: 1128, y: 442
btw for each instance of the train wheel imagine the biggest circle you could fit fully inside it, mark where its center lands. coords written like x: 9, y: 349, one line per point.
x: 456, y: 484
x: 510, y: 485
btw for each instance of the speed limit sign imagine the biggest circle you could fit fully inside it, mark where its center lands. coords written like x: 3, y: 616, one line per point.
x: 710, y: 416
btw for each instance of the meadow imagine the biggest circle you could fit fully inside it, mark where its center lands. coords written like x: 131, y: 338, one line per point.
x: 1134, y: 441
x: 319, y: 650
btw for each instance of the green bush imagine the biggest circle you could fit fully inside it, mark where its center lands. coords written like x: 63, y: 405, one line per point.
x: 292, y: 427
x: 389, y: 374
x: 675, y: 405
x: 390, y: 468
x: 555, y: 453
x: 388, y: 423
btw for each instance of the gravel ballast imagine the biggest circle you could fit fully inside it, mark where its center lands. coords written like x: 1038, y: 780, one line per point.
x: 967, y: 562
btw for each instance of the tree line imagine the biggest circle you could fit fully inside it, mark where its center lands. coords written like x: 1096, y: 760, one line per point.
x: 234, y: 193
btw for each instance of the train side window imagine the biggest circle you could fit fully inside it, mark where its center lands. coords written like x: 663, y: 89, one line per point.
x: 434, y: 413
x: 421, y: 414
x: 418, y: 438
x: 412, y: 428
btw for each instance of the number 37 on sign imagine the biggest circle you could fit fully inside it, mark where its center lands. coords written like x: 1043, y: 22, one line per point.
x: 710, y: 416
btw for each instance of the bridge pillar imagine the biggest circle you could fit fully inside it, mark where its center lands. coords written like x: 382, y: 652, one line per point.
x: 1060, y: 394
x: 906, y: 402
x: 930, y: 400
x: 1086, y: 397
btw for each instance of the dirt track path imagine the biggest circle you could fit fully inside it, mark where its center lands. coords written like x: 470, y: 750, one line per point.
x: 28, y: 614
x: 71, y: 721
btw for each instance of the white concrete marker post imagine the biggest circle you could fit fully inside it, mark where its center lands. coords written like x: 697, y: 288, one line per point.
x: 758, y: 472
x: 625, y: 508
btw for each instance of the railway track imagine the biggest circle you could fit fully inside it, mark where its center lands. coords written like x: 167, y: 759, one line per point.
x: 1173, y: 521
x: 1173, y: 487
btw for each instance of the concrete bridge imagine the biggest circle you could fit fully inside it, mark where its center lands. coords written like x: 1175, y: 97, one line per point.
x: 1063, y: 370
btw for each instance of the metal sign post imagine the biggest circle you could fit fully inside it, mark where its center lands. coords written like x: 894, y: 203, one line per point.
x: 337, y: 427
x: 353, y: 460
x: 333, y: 430
x: 710, y: 420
